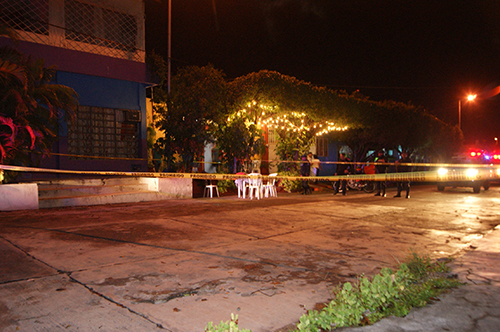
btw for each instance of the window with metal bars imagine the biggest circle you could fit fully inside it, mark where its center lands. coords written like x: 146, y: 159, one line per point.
x: 271, y: 136
x: 76, y: 25
x: 26, y: 15
x: 104, y: 132
x: 99, y: 26
x: 322, y: 146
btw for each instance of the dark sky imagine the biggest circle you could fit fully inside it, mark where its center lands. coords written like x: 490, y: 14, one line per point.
x: 429, y: 53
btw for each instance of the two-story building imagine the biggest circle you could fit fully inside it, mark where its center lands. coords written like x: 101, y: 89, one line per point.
x: 98, y: 48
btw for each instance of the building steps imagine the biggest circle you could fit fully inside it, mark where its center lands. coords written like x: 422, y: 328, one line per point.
x: 83, y: 192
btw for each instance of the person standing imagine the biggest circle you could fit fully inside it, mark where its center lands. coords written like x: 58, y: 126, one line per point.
x: 381, y: 169
x: 310, y: 157
x: 305, y: 170
x: 157, y: 157
x: 315, y: 165
x: 342, y: 169
x: 404, y: 159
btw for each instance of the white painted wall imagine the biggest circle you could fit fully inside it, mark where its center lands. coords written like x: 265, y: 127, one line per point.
x: 18, y: 197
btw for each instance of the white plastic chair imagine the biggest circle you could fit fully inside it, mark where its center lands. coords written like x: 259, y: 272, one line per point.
x: 270, y: 187
x: 254, y: 186
x: 241, y: 185
x: 209, y: 190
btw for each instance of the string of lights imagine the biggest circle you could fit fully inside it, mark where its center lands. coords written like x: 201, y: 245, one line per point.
x: 291, y: 121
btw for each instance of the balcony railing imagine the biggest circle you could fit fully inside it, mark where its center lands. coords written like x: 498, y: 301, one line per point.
x: 77, y: 25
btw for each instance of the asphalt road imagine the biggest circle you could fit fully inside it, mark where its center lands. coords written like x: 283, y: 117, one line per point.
x: 176, y: 265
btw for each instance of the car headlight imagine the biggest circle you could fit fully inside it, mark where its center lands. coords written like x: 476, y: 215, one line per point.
x: 442, y: 171
x: 471, y: 172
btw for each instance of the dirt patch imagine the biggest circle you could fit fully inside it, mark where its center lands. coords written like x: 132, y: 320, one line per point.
x: 110, y: 281
x: 271, y: 274
x: 163, y: 296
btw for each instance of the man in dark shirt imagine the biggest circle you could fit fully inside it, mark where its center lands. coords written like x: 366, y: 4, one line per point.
x: 305, y: 170
x: 342, y: 169
x: 404, y: 159
x: 381, y: 169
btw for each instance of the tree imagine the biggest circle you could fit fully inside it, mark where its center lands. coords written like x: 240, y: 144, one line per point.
x: 395, y: 125
x: 295, y: 109
x: 237, y: 141
x: 189, y: 114
x: 30, y: 108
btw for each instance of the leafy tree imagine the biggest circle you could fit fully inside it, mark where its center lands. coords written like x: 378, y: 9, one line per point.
x: 393, y: 125
x: 237, y: 141
x: 294, y: 108
x: 203, y: 108
x: 189, y: 114
x: 31, y: 108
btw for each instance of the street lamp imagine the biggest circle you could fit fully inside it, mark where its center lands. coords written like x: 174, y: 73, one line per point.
x: 469, y: 98
x: 169, y: 46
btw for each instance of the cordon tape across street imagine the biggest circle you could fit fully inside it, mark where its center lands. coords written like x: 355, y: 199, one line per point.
x: 460, y: 174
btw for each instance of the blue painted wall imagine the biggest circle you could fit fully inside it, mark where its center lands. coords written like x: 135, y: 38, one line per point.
x: 108, y: 92
x: 102, y: 92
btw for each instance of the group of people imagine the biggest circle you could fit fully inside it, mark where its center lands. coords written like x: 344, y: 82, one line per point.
x: 310, y: 166
x: 344, y: 168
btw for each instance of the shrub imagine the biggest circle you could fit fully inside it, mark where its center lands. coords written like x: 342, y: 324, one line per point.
x: 225, y: 185
x: 416, y: 282
x: 290, y: 185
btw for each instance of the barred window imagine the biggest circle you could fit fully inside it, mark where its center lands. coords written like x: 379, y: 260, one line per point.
x: 322, y: 146
x: 98, y: 26
x: 26, y: 15
x: 121, y: 29
x: 271, y: 135
x: 104, y: 132
x: 78, y: 25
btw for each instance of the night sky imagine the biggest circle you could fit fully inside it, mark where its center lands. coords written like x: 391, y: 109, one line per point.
x: 428, y: 53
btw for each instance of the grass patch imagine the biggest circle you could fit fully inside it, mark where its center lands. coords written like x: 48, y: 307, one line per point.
x: 417, y: 282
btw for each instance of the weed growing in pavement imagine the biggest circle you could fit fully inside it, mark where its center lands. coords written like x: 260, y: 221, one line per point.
x: 417, y: 282
x: 230, y: 326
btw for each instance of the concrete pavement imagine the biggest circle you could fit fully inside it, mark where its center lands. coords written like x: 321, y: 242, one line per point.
x: 473, y: 307
x: 176, y: 265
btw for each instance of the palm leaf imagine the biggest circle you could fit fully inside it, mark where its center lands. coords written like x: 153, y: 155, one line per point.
x: 9, y: 71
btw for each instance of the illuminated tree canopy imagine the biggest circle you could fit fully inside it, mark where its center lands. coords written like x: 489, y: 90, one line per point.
x: 204, y: 107
x: 296, y: 110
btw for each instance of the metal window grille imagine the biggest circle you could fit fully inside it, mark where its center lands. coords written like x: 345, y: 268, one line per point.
x: 26, y: 15
x: 322, y: 146
x: 271, y: 136
x: 87, y: 27
x: 103, y: 132
x: 99, y: 26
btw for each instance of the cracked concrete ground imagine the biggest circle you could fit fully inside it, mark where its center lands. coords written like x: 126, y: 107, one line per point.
x: 176, y: 265
x: 470, y: 308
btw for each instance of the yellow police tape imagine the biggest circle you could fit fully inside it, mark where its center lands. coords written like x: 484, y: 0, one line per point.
x: 460, y: 174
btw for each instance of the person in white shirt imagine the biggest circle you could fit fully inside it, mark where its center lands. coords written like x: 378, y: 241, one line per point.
x: 315, y: 165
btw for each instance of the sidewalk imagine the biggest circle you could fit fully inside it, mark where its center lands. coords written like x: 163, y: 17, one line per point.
x: 473, y: 307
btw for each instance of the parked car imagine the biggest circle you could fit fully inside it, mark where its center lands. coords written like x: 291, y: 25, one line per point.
x: 470, y: 169
x: 494, y: 157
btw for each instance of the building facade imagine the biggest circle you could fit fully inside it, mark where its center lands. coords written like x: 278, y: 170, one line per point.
x: 97, y: 47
